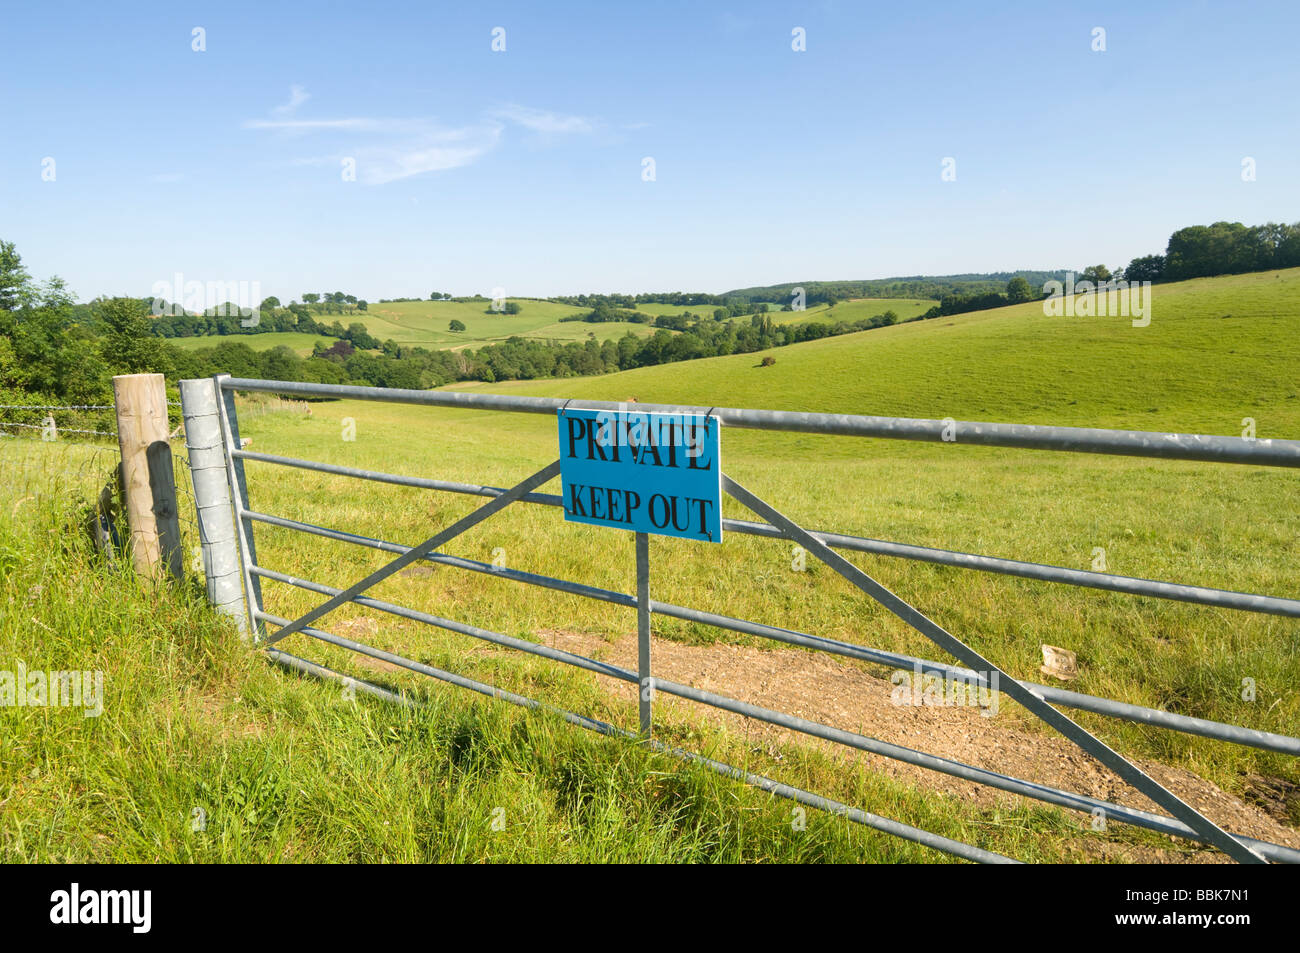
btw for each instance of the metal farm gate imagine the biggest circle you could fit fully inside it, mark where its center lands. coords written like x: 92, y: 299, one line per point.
x: 234, y: 582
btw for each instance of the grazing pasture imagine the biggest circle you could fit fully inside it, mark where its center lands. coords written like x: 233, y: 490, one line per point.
x: 856, y: 309
x: 426, y: 324
x: 301, y: 344
x: 294, y: 771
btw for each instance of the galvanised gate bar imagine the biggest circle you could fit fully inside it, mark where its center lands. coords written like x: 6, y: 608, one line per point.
x: 234, y: 584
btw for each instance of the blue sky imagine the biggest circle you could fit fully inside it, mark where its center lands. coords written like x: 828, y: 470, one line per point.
x: 522, y: 169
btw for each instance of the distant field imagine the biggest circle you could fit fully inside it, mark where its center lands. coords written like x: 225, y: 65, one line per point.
x: 1217, y: 350
x: 579, y: 330
x: 870, y: 307
x: 658, y: 307
x: 424, y: 323
x: 853, y: 310
x: 300, y: 344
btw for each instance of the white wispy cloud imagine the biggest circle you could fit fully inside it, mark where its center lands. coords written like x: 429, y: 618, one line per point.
x: 386, y: 150
x: 355, y: 124
x: 297, y: 96
x: 544, y: 121
x: 379, y: 166
x: 389, y: 149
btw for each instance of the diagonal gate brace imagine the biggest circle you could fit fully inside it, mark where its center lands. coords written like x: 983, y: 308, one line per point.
x: 1075, y: 732
x: 436, y: 541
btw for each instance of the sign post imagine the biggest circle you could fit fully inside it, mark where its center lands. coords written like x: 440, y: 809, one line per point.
x: 648, y: 473
x: 644, y: 680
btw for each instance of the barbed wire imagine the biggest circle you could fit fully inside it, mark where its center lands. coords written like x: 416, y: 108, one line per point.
x: 56, y: 406
x: 170, y: 403
x: 12, y: 423
x: 69, y: 407
x: 63, y: 430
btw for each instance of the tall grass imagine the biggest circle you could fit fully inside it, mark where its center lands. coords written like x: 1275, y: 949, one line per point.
x: 204, y: 752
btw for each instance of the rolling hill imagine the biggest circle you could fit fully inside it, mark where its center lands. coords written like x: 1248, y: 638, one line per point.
x: 425, y: 323
x: 1217, y: 350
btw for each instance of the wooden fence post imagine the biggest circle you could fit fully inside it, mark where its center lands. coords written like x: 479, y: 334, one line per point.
x: 148, y: 484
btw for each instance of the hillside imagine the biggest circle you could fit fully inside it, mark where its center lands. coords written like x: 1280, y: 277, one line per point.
x: 1216, y: 350
x: 929, y: 286
x: 425, y: 324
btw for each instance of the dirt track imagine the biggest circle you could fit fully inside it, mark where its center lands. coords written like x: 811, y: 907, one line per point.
x: 834, y: 692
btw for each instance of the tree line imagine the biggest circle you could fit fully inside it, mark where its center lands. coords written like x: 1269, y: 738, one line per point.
x: 918, y: 286
x: 607, y: 308
x: 51, y: 345
x: 516, y: 358
x: 1224, y: 248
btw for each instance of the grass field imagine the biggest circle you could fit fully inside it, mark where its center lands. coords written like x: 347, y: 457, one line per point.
x: 425, y: 324
x: 851, y: 310
x: 658, y: 307
x: 294, y: 772
x: 856, y: 309
x: 300, y: 344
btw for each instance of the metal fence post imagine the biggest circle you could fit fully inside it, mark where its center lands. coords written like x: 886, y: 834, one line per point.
x: 239, y: 490
x: 644, y: 679
x: 212, y: 501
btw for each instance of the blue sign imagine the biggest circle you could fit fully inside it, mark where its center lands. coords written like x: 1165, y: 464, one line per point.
x: 645, y: 472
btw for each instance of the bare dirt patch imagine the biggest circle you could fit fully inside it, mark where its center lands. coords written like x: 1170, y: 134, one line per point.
x: 213, y: 709
x: 846, y: 695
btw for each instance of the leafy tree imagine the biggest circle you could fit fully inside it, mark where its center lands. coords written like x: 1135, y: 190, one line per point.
x: 310, y: 297
x: 41, y: 348
x: 130, y: 346
x: 14, y: 279
x: 456, y: 325
x: 1098, y: 274
x: 1146, y: 268
x: 1018, y: 290
x: 281, y: 364
x: 360, y: 337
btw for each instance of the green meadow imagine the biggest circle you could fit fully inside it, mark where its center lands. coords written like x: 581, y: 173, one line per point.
x: 856, y: 309
x: 301, y: 344
x: 288, y: 769
x: 426, y: 324
x: 850, y: 310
